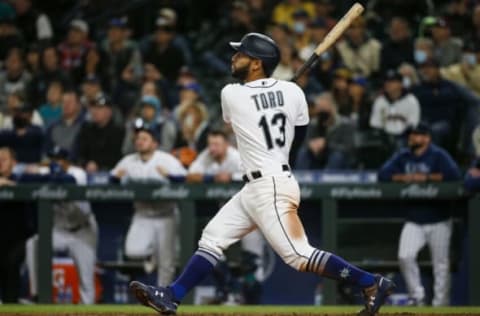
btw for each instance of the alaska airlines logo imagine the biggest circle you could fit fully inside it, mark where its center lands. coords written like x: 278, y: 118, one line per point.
x: 45, y: 192
x: 220, y: 192
x: 356, y: 192
x: 416, y: 190
x: 7, y: 195
x: 179, y: 192
x: 106, y: 194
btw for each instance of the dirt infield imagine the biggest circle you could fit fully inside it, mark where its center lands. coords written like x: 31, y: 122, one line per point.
x: 239, y: 314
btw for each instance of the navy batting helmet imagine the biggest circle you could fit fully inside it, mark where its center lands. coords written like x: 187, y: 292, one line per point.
x: 262, y: 47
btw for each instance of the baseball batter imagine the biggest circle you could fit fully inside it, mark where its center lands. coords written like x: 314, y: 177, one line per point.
x: 264, y: 113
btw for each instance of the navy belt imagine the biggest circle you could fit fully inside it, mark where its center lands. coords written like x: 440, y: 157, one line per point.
x: 258, y: 174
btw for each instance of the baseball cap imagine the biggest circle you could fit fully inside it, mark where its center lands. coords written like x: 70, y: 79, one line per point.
x: 343, y: 72
x: 58, y: 152
x: 168, y: 13
x: 91, y: 79
x: 318, y: 23
x: 421, y: 128
x: 118, y: 22
x: 140, y: 125
x: 360, y: 80
x: 440, y: 22
x: 79, y: 25
x: 194, y: 86
x: 101, y: 100
x: 430, y: 62
x: 152, y: 101
x: 392, y: 74
x: 164, y: 23
x: 300, y: 13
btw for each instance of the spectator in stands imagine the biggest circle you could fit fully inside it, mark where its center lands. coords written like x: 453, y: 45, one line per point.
x: 427, y: 222
x: 284, y: 70
x: 260, y: 11
x: 14, y: 102
x: 361, y: 102
x: 25, y: 139
x: 359, y: 52
x: 217, y: 53
x: 473, y: 35
x: 301, y: 33
x: 329, y: 141
x: 74, y: 49
x: 119, y: 58
x: 324, y: 10
x: 423, y: 51
x: 467, y: 71
x: 15, y: 228
x: 162, y: 54
x: 91, y: 89
x: 74, y: 227
x: 317, y: 29
x: 459, y: 17
x: 170, y: 17
x: 444, y: 106
x: 14, y: 78
x: 51, y: 111
x: 152, y: 233
x: 100, y: 141
x: 283, y: 11
x: 280, y: 33
x: 35, y: 25
x: 64, y: 132
x: 221, y: 163
x: 342, y: 77
x: 50, y: 71
x: 32, y: 59
x: 150, y: 112
x: 309, y: 84
x: 398, y: 48
x: 10, y: 36
x: 447, y: 49
x: 396, y: 109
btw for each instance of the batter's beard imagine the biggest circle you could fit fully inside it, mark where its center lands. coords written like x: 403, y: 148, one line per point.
x: 240, y: 73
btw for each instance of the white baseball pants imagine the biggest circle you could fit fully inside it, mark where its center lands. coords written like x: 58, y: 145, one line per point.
x: 412, y: 239
x: 81, y: 246
x: 156, y: 237
x: 270, y: 204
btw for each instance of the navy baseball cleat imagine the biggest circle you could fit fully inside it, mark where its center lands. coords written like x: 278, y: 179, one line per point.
x: 376, y: 294
x: 158, y: 298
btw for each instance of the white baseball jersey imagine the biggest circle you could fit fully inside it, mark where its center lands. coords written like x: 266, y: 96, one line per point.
x: 138, y: 170
x: 73, y: 214
x: 263, y: 114
x: 394, y: 117
x: 205, y: 164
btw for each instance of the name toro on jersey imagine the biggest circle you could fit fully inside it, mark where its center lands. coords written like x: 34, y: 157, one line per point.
x: 263, y: 114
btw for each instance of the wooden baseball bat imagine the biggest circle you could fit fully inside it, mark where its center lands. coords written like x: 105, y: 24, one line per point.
x: 332, y: 36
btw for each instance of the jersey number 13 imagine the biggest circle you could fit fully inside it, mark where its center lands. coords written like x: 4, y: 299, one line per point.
x: 278, y: 121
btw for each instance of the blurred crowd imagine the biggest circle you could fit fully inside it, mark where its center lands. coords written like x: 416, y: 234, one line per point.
x: 81, y: 84
x: 104, y: 89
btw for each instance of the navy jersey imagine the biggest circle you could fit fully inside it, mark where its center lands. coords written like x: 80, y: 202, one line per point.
x: 434, y: 160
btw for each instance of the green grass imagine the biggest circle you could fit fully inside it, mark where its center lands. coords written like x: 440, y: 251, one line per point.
x: 137, y: 309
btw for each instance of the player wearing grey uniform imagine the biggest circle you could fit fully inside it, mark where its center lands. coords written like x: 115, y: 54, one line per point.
x: 74, y: 230
x: 152, y: 232
x: 265, y: 114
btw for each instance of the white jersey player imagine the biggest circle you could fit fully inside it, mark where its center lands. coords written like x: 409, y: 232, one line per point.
x: 264, y: 114
x: 74, y: 230
x: 152, y: 233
